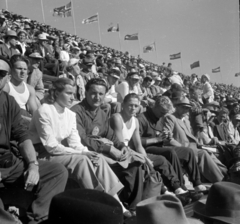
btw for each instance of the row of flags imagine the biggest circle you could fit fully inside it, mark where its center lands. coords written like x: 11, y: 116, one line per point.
x: 66, y: 11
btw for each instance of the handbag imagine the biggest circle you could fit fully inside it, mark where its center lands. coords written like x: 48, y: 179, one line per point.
x: 153, y: 182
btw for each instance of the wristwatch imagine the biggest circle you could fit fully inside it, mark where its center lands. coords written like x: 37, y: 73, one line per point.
x: 35, y: 162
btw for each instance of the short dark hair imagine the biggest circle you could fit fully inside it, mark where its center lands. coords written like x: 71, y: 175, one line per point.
x: 18, y: 57
x: 130, y: 96
x: 96, y: 81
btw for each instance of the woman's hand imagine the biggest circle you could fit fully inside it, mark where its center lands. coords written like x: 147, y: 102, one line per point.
x: 93, y: 156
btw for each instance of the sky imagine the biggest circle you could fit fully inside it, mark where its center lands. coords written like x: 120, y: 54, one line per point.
x: 202, y: 30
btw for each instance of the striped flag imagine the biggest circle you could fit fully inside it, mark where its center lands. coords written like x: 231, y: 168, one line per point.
x: 131, y: 37
x: 113, y: 29
x: 215, y: 70
x: 91, y: 19
x: 195, y: 65
x: 175, y: 56
x: 149, y: 48
x: 63, y: 11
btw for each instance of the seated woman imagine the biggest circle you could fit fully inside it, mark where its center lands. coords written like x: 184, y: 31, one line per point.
x: 51, y: 124
x: 126, y: 128
x: 23, y: 93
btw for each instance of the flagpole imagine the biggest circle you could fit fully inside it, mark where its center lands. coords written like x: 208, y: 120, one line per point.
x: 139, y: 45
x: 43, y: 15
x: 156, y: 50
x: 119, y: 38
x: 221, y: 75
x: 6, y: 5
x: 181, y: 62
x: 99, y: 29
x: 73, y: 17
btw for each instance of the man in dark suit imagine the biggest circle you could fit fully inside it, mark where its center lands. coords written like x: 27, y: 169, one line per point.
x: 49, y: 63
x: 8, y: 49
x: 181, y: 135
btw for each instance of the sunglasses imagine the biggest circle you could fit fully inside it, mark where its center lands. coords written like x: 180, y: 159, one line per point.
x: 3, y: 74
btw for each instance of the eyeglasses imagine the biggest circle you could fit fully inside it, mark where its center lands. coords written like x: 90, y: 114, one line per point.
x: 3, y: 74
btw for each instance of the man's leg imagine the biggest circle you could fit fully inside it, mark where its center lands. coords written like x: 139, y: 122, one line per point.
x: 166, y: 170
x: 170, y: 154
x: 208, y: 167
x: 189, y: 163
x: 132, y: 179
x: 53, y: 179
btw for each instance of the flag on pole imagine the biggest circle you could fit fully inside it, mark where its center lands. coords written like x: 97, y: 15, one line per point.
x: 149, y: 48
x: 237, y: 74
x: 195, y: 65
x: 63, y: 11
x: 131, y: 37
x: 113, y: 29
x: 215, y: 70
x: 175, y: 56
x: 91, y: 19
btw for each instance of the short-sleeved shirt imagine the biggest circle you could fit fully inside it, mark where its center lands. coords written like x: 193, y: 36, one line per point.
x: 92, y: 126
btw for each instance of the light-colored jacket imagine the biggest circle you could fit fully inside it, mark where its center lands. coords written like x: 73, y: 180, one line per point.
x: 208, y: 92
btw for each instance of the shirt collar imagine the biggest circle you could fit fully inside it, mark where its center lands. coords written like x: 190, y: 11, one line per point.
x: 88, y: 108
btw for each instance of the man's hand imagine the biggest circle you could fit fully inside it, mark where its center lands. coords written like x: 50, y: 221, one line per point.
x: 31, y: 176
x: 125, y: 153
x: 115, y: 154
x: 93, y: 156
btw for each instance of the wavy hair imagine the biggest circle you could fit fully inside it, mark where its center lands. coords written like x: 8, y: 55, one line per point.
x: 165, y: 103
x: 58, y: 86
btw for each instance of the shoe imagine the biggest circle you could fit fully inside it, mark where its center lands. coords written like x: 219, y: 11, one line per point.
x: 195, y: 196
x: 184, y: 198
x: 127, y: 215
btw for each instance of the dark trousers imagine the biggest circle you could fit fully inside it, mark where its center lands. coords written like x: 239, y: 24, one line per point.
x: 166, y: 170
x: 53, y: 179
x: 132, y: 179
x: 179, y: 156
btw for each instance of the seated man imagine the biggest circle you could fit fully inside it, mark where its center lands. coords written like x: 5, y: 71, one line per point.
x: 8, y: 49
x: 96, y: 134
x: 180, y: 134
x: 233, y: 129
x: 110, y: 105
x: 49, y: 63
x: 221, y: 130
x: 48, y: 178
x: 34, y: 78
x: 150, y: 130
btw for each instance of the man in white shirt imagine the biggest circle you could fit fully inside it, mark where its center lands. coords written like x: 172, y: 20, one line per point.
x: 208, y: 92
x: 64, y: 55
x: 175, y: 78
x: 110, y: 104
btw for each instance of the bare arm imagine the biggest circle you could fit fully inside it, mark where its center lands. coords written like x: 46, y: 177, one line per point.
x: 117, y: 127
x: 32, y: 104
x: 136, y: 139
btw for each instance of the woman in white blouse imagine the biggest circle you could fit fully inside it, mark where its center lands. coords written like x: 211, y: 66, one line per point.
x: 53, y: 123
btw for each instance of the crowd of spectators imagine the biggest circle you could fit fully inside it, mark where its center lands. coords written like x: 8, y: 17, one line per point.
x: 106, y: 116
